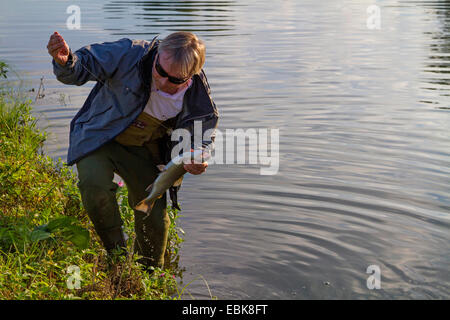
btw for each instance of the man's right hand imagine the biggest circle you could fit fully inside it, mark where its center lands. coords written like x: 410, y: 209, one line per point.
x: 58, y: 48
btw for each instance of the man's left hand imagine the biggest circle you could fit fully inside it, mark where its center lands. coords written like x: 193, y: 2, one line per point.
x: 196, y: 168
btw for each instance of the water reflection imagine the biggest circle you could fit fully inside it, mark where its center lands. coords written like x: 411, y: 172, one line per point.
x: 438, y: 65
x: 207, y: 18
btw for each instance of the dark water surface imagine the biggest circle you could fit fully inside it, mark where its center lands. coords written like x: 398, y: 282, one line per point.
x: 364, y: 119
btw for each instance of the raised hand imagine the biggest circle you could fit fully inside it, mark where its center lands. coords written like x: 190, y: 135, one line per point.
x: 58, y: 48
x: 196, y: 168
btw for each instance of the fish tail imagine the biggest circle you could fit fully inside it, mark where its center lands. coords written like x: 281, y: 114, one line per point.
x: 145, y: 207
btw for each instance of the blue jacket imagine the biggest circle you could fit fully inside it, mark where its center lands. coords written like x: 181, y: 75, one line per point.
x: 122, y: 70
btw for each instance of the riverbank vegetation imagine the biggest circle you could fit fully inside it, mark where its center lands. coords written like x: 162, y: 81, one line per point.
x: 48, y: 247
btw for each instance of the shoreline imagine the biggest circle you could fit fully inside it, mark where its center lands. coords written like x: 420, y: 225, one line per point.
x: 38, y: 262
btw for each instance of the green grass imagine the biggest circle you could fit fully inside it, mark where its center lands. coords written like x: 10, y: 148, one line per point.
x: 45, y: 233
x: 3, y: 69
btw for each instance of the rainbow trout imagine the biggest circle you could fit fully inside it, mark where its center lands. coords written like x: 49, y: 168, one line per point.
x: 171, y: 175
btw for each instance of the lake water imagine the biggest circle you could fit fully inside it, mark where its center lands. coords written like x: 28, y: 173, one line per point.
x: 364, y: 143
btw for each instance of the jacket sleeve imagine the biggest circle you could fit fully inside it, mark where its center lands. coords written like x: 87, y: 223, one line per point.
x: 92, y: 63
x: 209, y: 127
x: 209, y: 123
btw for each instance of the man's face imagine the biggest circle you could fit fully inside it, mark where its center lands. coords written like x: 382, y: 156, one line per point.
x: 163, y: 83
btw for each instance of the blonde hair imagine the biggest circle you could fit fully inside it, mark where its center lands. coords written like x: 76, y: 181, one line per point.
x: 186, y: 50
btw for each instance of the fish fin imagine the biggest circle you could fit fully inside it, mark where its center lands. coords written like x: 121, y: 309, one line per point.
x: 149, y: 188
x: 178, y: 182
x: 174, y: 197
x: 176, y: 206
x: 161, y: 167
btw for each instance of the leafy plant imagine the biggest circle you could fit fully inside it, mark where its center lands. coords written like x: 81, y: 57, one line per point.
x: 67, y: 228
x: 3, y: 69
x: 44, y: 229
x: 16, y: 235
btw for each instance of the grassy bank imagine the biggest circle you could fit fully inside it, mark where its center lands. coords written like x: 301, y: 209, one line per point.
x: 48, y: 247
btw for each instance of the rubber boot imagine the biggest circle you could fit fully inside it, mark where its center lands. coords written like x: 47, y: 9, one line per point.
x: 114, y: 242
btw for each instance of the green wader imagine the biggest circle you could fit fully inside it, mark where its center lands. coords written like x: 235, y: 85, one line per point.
x: 133, y: 156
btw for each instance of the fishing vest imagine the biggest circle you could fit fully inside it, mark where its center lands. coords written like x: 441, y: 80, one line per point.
x: 144, y: 131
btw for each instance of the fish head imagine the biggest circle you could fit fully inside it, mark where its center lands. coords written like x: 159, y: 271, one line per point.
x: 198, y: 156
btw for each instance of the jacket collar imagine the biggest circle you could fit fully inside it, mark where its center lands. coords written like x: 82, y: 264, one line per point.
x: 146, y: 63
x: 197, y: 102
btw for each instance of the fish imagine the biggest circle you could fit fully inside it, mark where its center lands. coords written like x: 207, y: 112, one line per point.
x: 171, y: 175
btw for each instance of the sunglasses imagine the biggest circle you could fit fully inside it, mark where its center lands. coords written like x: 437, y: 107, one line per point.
x: 164, y: 74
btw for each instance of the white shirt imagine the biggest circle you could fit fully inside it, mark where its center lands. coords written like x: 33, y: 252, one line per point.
x: 162, y: 105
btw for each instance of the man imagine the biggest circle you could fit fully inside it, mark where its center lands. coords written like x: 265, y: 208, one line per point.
x: 144, y: 90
